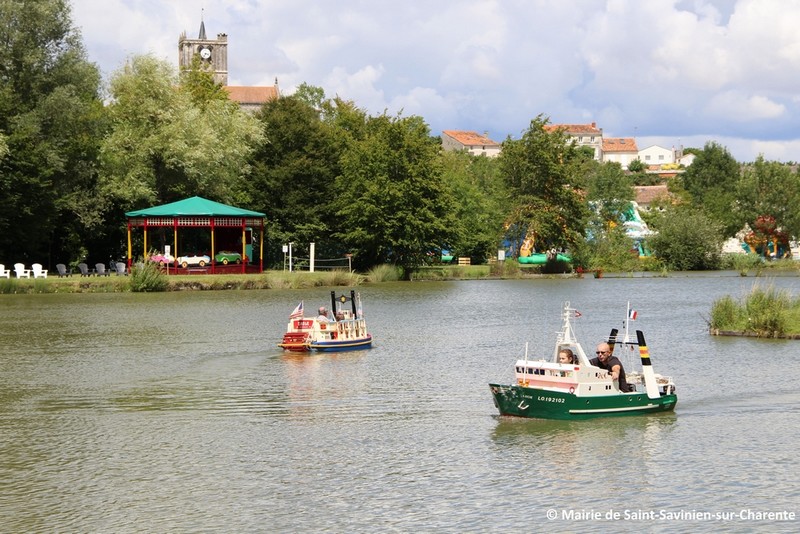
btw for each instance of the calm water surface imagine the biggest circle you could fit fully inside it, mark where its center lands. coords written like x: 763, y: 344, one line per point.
x: 177, y: 413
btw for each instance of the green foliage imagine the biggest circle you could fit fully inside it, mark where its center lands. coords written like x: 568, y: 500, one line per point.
x: 711, y: 182
x: 686, y: 240
x: 198, y: 82
x: 147, y: 277
x: 393, y: 205
x: 636, y: 166
x: 479, y: 199
x: 766, y: 312
x: 294, y: 172
x: 541, y: 173
x: 163, y: 147
x: 771, y: 189
x: 613, y: 251
x: 743, y: 263
x: 52, y: 118
x: 384, y: 273
x: 726, y: 314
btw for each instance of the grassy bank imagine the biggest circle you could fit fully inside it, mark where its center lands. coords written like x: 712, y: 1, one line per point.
x: 764, y: 312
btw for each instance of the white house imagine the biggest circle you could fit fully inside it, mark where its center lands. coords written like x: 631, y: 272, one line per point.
x: 657, y: 155
x: 620, y: 150
x: 583, y: 135
x: 472, y: 142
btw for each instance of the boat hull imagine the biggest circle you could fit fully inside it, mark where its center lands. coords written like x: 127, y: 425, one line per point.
x: 342, y: 345
x: 537, y: 403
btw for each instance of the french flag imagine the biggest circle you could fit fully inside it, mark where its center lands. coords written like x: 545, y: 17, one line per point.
x: 632, y: 315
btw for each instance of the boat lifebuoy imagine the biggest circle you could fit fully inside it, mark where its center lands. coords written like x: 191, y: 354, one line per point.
x: 572, y: 390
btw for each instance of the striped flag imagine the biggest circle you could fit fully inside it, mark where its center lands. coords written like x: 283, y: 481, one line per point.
x: 298, y: 311
x: 632, y: 315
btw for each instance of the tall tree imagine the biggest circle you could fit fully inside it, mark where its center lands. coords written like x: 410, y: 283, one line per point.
x: 294, y: 174
x: 168, y: 143
x: 711, y: 183
x: 479, y: 198
x: 393, y: 203
x: 540, y: 170
x: 52, y: 118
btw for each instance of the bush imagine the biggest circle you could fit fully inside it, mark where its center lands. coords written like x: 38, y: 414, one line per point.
x: 147, y: 277
x: 687, y: 240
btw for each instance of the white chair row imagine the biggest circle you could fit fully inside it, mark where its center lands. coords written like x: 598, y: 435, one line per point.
x: 19, y: 269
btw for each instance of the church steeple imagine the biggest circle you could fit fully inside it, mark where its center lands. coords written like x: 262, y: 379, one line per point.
x: 202, y: 35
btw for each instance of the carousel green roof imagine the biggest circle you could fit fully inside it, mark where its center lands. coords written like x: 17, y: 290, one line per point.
x: 194, y: 206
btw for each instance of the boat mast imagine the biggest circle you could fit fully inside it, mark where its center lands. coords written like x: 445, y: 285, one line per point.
x: 651, y: 385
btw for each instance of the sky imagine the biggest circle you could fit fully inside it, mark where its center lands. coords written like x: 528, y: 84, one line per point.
x: 666, y: 72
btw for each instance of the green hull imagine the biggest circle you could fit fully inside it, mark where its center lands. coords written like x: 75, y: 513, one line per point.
x: 544, y: 404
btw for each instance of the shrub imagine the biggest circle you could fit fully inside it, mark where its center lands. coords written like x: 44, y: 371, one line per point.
x: 147, y: 277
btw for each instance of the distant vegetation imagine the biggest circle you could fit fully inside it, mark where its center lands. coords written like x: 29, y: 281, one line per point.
x: 764, y: 312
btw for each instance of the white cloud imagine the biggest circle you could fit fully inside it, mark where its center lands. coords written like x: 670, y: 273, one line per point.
x: 723, y: 69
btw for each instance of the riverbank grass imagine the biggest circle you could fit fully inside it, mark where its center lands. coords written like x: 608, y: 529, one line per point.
x: 764, y: 312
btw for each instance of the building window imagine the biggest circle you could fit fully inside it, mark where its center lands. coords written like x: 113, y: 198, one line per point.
x: 647, y: 157
x: 661, y: 157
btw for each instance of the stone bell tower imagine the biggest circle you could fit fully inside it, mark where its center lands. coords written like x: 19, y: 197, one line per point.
x: 213, y: 53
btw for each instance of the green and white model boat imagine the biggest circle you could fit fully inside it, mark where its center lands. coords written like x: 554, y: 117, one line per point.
x: 546, y: 389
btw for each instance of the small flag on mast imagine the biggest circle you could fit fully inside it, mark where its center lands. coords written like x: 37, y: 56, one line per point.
x: 298, y: 311
x: 632, y: 315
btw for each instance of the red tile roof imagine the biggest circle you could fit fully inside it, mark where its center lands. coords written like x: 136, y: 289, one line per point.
x: 470, y: 138
x: 252, y: 95
x: 645, y: 194
x: 619, y: 144
x: 572, y: 129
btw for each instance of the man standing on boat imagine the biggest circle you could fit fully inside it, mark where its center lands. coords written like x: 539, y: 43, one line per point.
x: 323, y: 315
x: 605, y: 360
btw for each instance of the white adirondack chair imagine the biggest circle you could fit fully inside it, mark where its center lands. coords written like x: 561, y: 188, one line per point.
x: 4, y: 273
x: 38, y: 272
x: 21, y: 271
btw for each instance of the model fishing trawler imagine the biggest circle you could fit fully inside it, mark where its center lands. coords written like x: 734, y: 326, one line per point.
x: 345, y: 329
x: 549, y: 389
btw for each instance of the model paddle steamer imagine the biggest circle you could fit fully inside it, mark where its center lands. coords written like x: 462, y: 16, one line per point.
x: 345, y: 330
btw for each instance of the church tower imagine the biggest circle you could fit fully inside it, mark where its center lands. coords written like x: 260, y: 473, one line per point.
x: 213, y: 53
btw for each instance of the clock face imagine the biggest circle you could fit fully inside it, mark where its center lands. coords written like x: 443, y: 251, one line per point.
x: 205, y: 53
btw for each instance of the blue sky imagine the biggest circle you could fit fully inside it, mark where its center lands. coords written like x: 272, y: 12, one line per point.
x: 667, y: 72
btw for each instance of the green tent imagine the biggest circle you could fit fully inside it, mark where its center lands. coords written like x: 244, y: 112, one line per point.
x: 200, y: 212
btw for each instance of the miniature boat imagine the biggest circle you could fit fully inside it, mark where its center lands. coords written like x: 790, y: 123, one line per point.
x: 346, y: 331
x: 547, y: 389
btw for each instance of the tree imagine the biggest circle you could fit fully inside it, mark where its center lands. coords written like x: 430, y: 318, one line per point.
x: 294, y: 173
x: 53, y: 117
x: 164, y: 147
x: 479, y: 195
x: 687, y: 239
x: 540, y: 171
x: 393, y: 204
x: 770, y: 189
x: 711, y: 183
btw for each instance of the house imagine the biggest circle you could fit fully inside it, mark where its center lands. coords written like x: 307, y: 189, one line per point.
x: 647, y: 194
x: 620, y: 150
x: 588, y: 135
x: 655, y: 155
x: 686, y: 159
x: 472, y: 142
x: 251, y: 98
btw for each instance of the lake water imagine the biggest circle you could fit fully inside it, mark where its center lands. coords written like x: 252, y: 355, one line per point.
x: 176, y: 412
